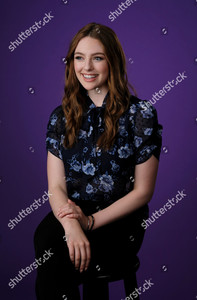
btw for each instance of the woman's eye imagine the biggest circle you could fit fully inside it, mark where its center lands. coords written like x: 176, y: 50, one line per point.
x: 98, y: 58
x: 78, y: 57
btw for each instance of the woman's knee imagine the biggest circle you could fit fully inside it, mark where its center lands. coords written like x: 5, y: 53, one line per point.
x: 48, y: 233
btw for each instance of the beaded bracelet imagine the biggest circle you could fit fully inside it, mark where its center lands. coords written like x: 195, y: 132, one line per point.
x: 92, y: 222
x: 88, y: 227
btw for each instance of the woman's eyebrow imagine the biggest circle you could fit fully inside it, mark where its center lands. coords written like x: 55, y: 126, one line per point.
x: 91, y: 54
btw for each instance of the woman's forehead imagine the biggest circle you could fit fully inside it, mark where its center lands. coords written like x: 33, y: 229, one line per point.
x: 90, y: 45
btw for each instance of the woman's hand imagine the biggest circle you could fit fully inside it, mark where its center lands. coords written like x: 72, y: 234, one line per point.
x: 71, y: 210
x: 78, y: 244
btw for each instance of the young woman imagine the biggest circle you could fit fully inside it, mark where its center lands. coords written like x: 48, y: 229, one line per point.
x: 103, y: 152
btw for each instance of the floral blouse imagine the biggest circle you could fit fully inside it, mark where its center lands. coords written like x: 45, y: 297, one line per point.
x: 96, y: 178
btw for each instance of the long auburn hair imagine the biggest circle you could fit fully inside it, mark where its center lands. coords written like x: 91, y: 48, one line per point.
x: 73, y: 102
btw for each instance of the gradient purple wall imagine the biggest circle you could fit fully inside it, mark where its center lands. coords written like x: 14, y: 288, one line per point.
x: 159, y: 40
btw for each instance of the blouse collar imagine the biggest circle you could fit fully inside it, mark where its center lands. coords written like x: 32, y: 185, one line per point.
x: 92, y: 105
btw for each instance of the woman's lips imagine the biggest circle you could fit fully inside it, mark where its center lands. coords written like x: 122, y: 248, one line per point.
x: 89, y: 77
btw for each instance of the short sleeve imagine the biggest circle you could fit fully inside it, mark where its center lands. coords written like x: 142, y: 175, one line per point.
x: 55, y: 130
x: 147, y: 133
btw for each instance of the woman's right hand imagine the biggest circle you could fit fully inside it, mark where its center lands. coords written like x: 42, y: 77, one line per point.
x: 78, y: 244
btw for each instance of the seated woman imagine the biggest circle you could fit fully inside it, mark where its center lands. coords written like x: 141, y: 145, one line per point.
x: 103, y: 148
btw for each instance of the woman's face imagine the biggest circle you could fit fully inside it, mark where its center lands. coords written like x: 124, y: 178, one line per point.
x: 90, y: 64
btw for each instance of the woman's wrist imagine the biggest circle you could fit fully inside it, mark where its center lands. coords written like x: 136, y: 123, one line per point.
x: 67, y: 223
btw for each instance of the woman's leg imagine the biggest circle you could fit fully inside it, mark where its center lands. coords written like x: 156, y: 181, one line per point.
x: 114, y: 248
x: 56, y: 276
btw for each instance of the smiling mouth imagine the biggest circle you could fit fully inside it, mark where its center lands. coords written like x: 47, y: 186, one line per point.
x: 89, y: 76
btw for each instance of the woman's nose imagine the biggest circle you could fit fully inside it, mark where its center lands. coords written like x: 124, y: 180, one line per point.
x: 88, y: 65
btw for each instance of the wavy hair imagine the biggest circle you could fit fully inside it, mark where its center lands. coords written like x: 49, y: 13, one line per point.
x: 73, y: 102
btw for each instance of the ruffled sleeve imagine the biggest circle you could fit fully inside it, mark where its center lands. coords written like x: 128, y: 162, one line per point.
x: 55, y: 131
x: 147, y: 133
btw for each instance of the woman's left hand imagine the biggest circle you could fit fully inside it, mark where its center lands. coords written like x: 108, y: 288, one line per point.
x: 71, y: 210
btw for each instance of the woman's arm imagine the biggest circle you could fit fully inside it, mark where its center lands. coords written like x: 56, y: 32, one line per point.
x: 78, y: 245
x: 56, y: 183
x: 145, y: 178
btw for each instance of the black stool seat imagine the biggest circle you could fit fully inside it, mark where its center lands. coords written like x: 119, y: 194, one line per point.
x: 95, y: 285
x: 119, y: 274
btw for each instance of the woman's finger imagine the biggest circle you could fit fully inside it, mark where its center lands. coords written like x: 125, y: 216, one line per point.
x: 77, y: 257
x: 73, y: 216
x: 66, y: 212
x: 83, y: 258
x: 71, y: 252
x: 88, y: 254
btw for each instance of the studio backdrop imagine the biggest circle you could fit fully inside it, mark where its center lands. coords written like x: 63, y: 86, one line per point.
x: 159, y: 41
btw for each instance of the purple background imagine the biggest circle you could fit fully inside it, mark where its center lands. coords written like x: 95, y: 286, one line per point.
x: 168, y: 254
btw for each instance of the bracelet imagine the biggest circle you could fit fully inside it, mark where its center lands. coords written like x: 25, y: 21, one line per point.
x: 92, y: 222
x: 88, y: 227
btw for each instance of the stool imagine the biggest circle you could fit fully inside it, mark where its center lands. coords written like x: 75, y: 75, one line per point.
x: 97, y: 288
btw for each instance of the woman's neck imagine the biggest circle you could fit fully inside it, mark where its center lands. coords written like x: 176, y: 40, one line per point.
x: 97, y: 95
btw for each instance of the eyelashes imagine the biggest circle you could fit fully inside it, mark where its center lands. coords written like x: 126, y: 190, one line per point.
x: 97, y: 58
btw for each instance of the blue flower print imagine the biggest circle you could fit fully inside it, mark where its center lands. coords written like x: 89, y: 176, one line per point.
x: 148, y: 131
x: 88, y: 169
x: 113, y: 150
x: 89, y: 189
x: 147, y: 149
x: 124, y: 151
x: 90, y: 107
x: 75, y: 165
x: 55, y: 146
x: 148, y: 113
x: 82, y: 134
x: 53, y: 119
x: 159, y: 131
x: 114, y: 166
x: 85, y: 149
x: 62, y: 138
x: 53, y: 142
x: 122, y: 120
x: 100, y: 122
x: 137, y: 140
x: 132, y: 109
x: 68, y: 179
x: 122, y: 131
x: 76, y: 195
x: 106, y: 183
x: 90, y: 131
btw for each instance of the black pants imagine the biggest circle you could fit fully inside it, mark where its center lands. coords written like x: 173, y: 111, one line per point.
x: 113, y: 247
